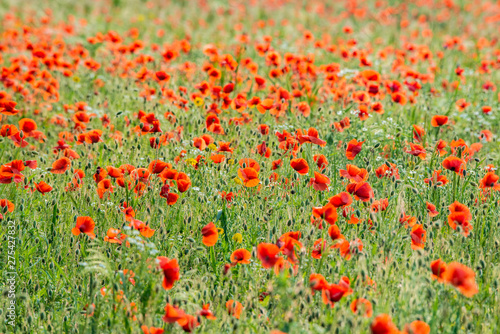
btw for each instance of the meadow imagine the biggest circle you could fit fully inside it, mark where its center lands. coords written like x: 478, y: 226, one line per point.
x: 277, y: 166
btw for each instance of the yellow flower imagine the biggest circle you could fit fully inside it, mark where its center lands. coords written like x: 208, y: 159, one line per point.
x: 237, y: 237
x: 140, y: 18
x: 220, y: 230
x: 212, y: 146
x: 198, y: 101
x: 237, y: 180
x: 191, y: 161
x: 76, y: 78
x: 230, y: 161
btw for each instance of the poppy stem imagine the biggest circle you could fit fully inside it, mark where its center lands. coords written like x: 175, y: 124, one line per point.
x: 455, y: 182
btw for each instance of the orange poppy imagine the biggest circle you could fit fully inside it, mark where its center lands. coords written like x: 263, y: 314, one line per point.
x: 268, y: 254
x: 383, y: 324
x: 454, y: 164
x: 300, y: 166
x: 462, y: 278
x: 354, y: 173
x: 320, y: 182
x: 342, y: 199
x: 321, y: 161
x: 249, y: 176
x: 333, y: 293
x: 439, y: 120
x: 437, y: 179
x: 362, y: 306
x: 431, y: 209
x: 60, y: 166
x: 170, y: 268
x: 241, y: 256
x: 234, y: 308
x: 183, y: 182
x: 353, y: 149
x: 84, y: 225
x: 418, y: 236
x: 490, y: 181
x: 114, y: 236
x: 43, y: 187
x: 362, y: 191
x: 417, y: 327
x: 151, y: 330
x: 327, y: 213
x: 205, y: 312
x: 103, y: 187
x: 335, y: 233
x: 417, y: 150
x: 210, y: 234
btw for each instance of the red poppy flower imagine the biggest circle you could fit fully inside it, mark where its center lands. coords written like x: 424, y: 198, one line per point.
x: 249, y: 176
x: 317, y: 282
x: 234, y: 308
x: 362, y: 306
x: 210, y: 234
x: 205, y: 312
x: 327, y: 213
x: 341, y: 200
x: 183, y: 182
x: 454, y: 164
x: 300, y: 166
x: 354, y: 173
x: 333, y: 293
x: 321, y: 161
x: 268, y: 254
x: 418, y: 237
x: 417, y: 151
x: 462, y: 278
x: 170, y: 269
x: 84, y: 225
x: 438, y: 268
x: 335, y: 233
x: 439, y: 120
x: 362, y: 191
x: 417, y: 327
x: 437, y: 179
x: 43, y: 187
x: 383, y: 324
x: 320, y: 182
x: 241, y: 256
x: 353, y: 149
x: 431, y: 209
x: 490, y: 181
x: 60, y: 166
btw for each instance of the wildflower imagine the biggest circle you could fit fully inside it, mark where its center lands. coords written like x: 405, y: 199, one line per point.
x: 418, y: 237
x: 300, y: 166
x: 241, y: 256
x: 84, y: 225
x: 362, y: 306
x: 234, y: 308
x: 438, y: 268
x: 454, y: 164
x: 210, y: 234
x: 462, y: 278
x: 170, y: 269
x: 439, y: 120
x: 353, y: 149
x: 237, y: 237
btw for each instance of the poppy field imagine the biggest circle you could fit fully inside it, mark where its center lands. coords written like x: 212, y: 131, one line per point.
x: 276, y: 166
